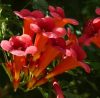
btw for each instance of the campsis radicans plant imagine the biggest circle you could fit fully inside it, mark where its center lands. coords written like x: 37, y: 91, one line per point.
x: 43, y: 42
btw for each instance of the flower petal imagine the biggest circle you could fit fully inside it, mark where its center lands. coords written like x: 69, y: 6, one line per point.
x: 60, y: 32
x: 60, y: 11
x: 55, y: 15
x: 96, y: 39
x: 57, y: 12
x: 31, y: 50
x: 62, y: 22
x: 60, y: 42
x: 17, y: 52
x: 70, y: 21
x: 88, y: 32
x: 96, y: 23
x: 6, y: 45
x: 49, y: 24
x: 80, y: 53
x: 51, y: 9
x: 35, y: 28
x: 26, y: 39
x: 37, y: 14
x: 23, y: 13
x: 50, y: 34
x: 15, y: 42
x: 57, y: 89
x: 85, y: 67
x: 97, y: 11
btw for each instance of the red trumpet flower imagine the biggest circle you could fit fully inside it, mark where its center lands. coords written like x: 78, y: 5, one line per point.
x: 19, y: 45
x: 29, y: 17
x: 59, y: 17
x: 91, y: 31
x: 14, y: 69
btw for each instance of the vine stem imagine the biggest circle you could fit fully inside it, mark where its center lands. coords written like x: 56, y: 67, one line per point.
x: 42, y: 92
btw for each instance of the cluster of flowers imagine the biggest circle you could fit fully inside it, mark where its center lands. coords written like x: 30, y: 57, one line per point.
x: 43, y: 42
x: 91, y: 31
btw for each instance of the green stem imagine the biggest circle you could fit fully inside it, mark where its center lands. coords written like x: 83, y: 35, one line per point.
x: 44, y: 94
x: 7, y: 72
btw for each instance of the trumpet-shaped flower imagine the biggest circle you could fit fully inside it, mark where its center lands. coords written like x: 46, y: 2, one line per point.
x: 91, y: 30
x: 59, y: 16
x: 29, y: 17
x: 75, y: 50
x: 19, y: 45
x: 14, y: 68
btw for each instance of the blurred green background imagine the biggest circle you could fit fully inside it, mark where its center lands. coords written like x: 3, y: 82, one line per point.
x: 75, y: 83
